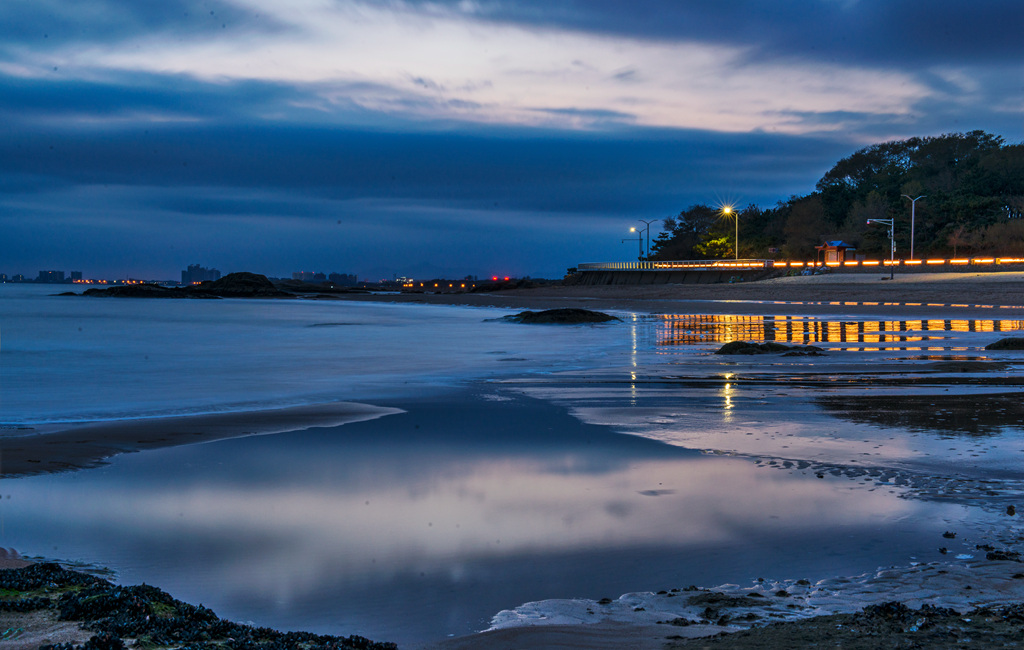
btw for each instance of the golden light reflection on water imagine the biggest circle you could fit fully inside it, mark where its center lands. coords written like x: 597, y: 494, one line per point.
x: 695, y: 329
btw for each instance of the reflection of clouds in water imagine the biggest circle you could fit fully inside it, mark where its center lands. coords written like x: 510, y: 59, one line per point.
x: 299, y: 535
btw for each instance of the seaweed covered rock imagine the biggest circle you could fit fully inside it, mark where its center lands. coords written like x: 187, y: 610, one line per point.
x: 1011, y: 343
x: 565, y: 316
x: 146, y: 616
x: 744, y: 347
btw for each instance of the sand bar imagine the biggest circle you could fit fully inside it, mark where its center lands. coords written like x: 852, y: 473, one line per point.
x: 63, y: 447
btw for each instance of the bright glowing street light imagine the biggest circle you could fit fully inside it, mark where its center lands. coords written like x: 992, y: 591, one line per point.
x: 913, y: 204
x: 640, y: 243
x: 728, y: 210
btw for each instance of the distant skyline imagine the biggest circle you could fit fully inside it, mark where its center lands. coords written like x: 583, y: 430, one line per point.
x: 452, y: 137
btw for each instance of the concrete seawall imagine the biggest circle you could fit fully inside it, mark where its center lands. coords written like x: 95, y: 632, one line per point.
x: 645, y: 276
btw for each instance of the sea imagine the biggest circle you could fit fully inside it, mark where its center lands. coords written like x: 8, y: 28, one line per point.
x: 518, y: 463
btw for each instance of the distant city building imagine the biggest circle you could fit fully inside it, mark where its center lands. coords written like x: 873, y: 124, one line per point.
x: 195, y: 274
x: 76, y: 275
x: 3, y: 277
x: 344, y: 279
x: 50, y: 276
x: 18, y: 278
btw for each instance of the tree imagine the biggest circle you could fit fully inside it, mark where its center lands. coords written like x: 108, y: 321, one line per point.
x: 806, y: 226
x: 683, y: 232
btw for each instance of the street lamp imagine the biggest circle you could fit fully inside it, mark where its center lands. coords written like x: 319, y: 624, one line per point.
x: 640, y: 243
x: 913, y: 204
x: 647, y: 228
x: 892, y: 242
x: 728, y: 210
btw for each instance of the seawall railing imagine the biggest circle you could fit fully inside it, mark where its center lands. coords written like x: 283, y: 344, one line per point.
x: 976, y: 263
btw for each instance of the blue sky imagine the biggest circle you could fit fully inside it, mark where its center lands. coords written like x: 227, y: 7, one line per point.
x: 452, y: 137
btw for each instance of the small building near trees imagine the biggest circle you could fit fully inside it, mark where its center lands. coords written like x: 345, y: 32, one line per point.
x: 835, y: 251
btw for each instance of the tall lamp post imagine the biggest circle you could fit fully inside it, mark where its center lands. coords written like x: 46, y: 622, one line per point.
x: 640, y: 243
x: 647, y: 229
x: 729, y: 211
x: 892, y: 242
x: 913, y: 204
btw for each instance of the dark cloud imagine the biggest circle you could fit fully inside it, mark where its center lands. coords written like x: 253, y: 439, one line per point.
x: 850, y: 31
x: 44, y: 25
x: 511, y: 169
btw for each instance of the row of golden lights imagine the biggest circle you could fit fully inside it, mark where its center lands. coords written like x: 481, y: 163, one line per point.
x: 964, y: 261
x: 91, y: 281
x: 451, y: 285
x: 956, y: 262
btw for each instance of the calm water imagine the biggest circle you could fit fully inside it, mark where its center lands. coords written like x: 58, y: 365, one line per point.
x: 506, y: 479
x: 68, y: 358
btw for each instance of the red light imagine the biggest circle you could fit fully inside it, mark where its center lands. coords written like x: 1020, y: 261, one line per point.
x: 506, y: 278
x: 494, y: 279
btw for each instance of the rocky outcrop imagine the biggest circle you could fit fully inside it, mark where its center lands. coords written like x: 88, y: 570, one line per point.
x: 135, y: 291
x: 744, y: 347
x: 567, y: 316
x: 239, y: 285
x: 232, y: 285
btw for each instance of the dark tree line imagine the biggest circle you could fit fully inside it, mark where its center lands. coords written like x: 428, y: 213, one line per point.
x: 973, y: 185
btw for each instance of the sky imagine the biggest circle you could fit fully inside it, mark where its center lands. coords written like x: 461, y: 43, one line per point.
x: 448, y: 138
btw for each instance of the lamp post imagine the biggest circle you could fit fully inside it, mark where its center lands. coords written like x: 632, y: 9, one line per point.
x: 640, y: 243
x: 913, y: 204
x: 892, y: 242
x: 647, y: 228
x: 728, y: 210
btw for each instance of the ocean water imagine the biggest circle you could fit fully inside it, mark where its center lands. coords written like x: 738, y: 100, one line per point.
x: 67, y: 359
x: 526, y: 463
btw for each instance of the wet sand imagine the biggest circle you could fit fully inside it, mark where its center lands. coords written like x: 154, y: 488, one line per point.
x: 40, y: 449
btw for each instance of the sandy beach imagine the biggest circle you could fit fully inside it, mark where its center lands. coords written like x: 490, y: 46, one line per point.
x: 632, y: 620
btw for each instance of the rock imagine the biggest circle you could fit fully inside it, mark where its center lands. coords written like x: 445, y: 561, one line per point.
x: 239, y: 285
x: 770, y: 347
x: 949, y: 535
x: 134, y: 291
x: 1005, y: 556
x: 148, y: 615
x: 1011, y: 343
x: 566, y: 316
x: 1010, y: 510
x: 232, y: 285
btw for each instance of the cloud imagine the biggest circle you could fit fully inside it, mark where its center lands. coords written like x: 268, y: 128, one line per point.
x: 526, y: 132
x: 432, y: 65
x: 859, y: 31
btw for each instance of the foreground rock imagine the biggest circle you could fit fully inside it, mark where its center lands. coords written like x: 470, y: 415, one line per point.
x: 743, y: 347
x: 568, y: 316
x: 44, y: 597
x: 888, y: 625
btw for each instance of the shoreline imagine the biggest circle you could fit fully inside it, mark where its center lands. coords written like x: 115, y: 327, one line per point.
x: 47, y: 448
